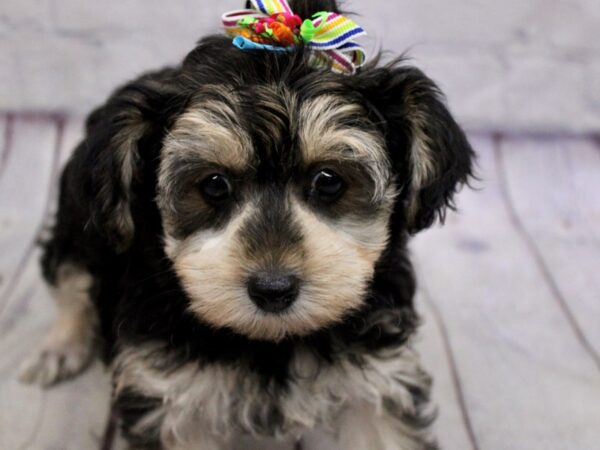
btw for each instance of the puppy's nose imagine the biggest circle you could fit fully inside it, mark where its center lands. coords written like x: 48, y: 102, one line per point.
x: 273, y: 292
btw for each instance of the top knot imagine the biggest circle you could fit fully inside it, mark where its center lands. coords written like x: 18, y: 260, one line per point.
x: 272, y: 25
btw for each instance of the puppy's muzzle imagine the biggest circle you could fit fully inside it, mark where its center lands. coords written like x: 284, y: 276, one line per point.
x: 273, y: 292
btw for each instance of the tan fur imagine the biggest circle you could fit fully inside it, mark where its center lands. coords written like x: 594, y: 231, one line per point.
x: 347, y: 401
x: 421, y: 156
x: 209, y: 267
x: 134, y: 126
x: 336, y: 269
x: 323, y: 137
x: 67, y: 348
x: 334, y: 262
x: 210, y: 131
x: 273, y: 103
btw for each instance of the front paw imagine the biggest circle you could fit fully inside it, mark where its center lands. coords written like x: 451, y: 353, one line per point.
x: 57, y: 360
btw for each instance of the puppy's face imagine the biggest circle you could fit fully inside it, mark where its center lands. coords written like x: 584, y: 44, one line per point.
x: 275, y: 207
x: 279, y: 186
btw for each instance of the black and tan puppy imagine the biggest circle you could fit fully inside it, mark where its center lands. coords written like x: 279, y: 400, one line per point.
x: 232, y: 232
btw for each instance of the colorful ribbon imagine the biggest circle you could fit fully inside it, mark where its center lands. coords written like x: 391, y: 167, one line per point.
x: 273, y: 26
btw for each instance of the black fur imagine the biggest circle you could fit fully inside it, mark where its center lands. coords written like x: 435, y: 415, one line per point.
x: 136, y: 290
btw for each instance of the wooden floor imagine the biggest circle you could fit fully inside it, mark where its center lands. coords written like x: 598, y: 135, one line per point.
x: 510, y: 294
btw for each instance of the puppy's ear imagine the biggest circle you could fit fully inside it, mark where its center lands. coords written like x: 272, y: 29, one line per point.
x: 122, y: 136
x: 430, y: 153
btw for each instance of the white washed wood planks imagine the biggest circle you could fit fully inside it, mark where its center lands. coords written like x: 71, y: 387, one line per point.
x: 528, y: 382
x: 554, y: 187
x: 28, y: 171
x: 71, y: 415
x: 29, y: 166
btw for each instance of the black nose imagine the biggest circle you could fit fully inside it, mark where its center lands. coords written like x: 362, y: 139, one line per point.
x: 273, y: 292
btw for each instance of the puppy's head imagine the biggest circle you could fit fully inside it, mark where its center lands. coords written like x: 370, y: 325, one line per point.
x: 275, y: 204
x: 280, y: 187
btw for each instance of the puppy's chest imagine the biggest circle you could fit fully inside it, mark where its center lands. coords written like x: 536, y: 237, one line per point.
x: 229, y: 399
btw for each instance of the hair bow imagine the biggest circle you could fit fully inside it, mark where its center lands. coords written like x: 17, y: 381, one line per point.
x: 273, y: 26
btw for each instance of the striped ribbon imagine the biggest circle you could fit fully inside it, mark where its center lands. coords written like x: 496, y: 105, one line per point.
x: 329, y: 36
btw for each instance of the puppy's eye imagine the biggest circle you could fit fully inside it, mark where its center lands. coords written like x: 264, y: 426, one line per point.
x: 327, y: 185
x: 216, y: 188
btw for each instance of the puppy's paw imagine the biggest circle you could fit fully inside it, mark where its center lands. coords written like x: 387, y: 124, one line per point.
x: 57, y: 360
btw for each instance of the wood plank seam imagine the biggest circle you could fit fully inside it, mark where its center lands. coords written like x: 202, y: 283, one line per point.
x: 596, y: 139
x: 456, y: 381
x: 7, y: 141
x: 30, y: 249
x: 538, y: 257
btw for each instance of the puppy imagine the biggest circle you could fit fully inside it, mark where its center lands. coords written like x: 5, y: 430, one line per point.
x: 232, y: 235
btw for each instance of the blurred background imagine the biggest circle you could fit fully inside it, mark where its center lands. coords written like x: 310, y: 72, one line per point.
x: 508, y: 288
x: 524, y: 65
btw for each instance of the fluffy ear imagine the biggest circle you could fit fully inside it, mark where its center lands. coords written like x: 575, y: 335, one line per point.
x: 429, y: 150
x: 120, y: 137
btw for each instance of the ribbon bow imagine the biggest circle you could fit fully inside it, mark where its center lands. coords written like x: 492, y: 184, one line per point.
x: 273, y: 26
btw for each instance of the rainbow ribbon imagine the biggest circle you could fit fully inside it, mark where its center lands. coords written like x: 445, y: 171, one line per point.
x: 273, y: 26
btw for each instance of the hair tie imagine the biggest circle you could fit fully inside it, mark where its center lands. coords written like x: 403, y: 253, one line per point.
x: 273, y: 26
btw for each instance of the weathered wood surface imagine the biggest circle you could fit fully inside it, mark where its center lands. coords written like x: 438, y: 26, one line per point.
x: 527, y: 379
x: 29, y: 166
x: 553, y: 187
x: 508, y: 292
x: 72, y: 415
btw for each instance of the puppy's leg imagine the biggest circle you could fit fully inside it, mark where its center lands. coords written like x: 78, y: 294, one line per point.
x: 361, y: 427
x: 68, y: 347
x: 204, y: 441
x: 153, y: 405
x: 388, y: 409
